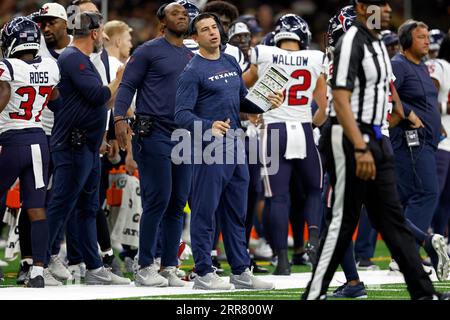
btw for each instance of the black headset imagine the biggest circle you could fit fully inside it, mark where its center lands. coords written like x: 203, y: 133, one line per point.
x: 161, y: 14
x: 405, y: 35
x: 87, y: 21
x: 193, y: 29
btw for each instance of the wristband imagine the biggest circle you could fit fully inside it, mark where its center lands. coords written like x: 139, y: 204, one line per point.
x: 359, y: 150
x: 121, y: 119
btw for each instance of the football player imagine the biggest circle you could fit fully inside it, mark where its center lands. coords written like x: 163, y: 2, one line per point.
x: 27, y: 84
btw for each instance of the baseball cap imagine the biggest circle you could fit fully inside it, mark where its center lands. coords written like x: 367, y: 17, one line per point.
x: 52, y: 9
x: 237, y: 28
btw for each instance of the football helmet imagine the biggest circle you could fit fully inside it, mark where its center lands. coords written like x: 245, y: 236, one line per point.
x: 291, y: 26
x: 436, y: 37
x: 191, y: 8
x: 339, y: 24
x: 20, y: 34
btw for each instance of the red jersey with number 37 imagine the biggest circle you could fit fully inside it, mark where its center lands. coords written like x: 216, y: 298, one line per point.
x: 31, y: 87
x: 304, y: 67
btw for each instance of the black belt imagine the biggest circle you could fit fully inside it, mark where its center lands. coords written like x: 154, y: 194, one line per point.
x: 365, y: 127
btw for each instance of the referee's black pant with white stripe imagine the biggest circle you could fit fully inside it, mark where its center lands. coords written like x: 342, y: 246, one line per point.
x: 381, y: 199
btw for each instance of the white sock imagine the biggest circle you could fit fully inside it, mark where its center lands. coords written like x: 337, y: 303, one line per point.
x: 36, y: 271
x: 110, y: 252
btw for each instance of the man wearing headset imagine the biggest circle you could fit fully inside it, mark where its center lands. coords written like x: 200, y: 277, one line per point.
x: 415, y: 150
x: 77, y: 134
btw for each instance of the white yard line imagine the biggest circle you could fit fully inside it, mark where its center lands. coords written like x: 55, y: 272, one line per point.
x: 81, y: 292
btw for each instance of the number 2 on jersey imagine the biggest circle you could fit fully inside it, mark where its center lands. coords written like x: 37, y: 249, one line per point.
x: 27, y: 105
x: 293, y: 99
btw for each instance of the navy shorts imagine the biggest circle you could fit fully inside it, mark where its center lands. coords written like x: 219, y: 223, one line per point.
x: 25, y: 157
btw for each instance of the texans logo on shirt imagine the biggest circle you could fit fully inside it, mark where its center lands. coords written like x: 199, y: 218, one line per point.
x: 223, y: 75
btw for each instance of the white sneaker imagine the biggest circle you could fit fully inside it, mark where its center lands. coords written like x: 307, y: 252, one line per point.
x: 58, y: 268
x: 49, y: 280
x: 149, y: 277
x: 211, y: 281
x: 246, y: 280
x: 128, y: 264
x: 263, y: 250
x: 170, y: 273
x: 180, y: 273
x: 443, y: 265
x: 394, y: 269
x: 78, y: 271
x: 104, y: 276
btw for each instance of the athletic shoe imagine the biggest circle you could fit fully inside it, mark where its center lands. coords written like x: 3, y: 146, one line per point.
x: 78, y: 271
x: 128, y: 264
x: 347, y: 291
x: 104, y: 276
x: 283, y: 267
x: 23, y: 272
x: 393, y: 266
x: 263, y: 251
x: 246, y: 280
x: 191, y: 276
x: 149, y: 277
x: 180, y: 273
x: 394, y: 269
x: 50, y: 280
x: 36, y: 282
x: 216, y: 265
x: 300, y: 259
x: 58, y: 268
x: 211, y: 281
x: 311, y: 250
x: 170, y: 273
x: 366, y: 264
x: 109, y: 261
x: 436, y: 249
x: 257, y: 268
x: 437, y: 296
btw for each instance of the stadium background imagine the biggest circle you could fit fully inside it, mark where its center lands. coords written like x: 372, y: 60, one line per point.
x: 140, y: 14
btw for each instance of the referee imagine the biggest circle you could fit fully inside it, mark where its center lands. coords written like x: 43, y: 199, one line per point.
x: 361, y: 163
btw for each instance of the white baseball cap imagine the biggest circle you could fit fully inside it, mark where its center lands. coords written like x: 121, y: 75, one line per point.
x: 237, y: 28
x: 52, y: 9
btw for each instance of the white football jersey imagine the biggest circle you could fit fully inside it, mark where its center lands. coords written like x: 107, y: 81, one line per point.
x: 229, y: 49
x: 440, y: 70
x: 47, y: 115
x: 31, y: 87
x: 304, y: 67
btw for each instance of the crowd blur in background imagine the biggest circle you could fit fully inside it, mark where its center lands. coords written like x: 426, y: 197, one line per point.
x: 141, y: 14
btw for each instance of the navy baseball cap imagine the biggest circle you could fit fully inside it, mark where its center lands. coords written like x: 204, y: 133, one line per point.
x: 389, y: 37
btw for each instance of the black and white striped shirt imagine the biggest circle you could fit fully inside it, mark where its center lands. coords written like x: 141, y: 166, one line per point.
x: 362, y: 65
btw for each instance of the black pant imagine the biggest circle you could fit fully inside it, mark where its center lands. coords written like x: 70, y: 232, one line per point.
x: 383, y: 206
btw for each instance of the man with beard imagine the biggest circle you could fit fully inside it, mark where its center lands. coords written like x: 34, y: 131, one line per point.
x: 153, y: 71
x: 77, y: 134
